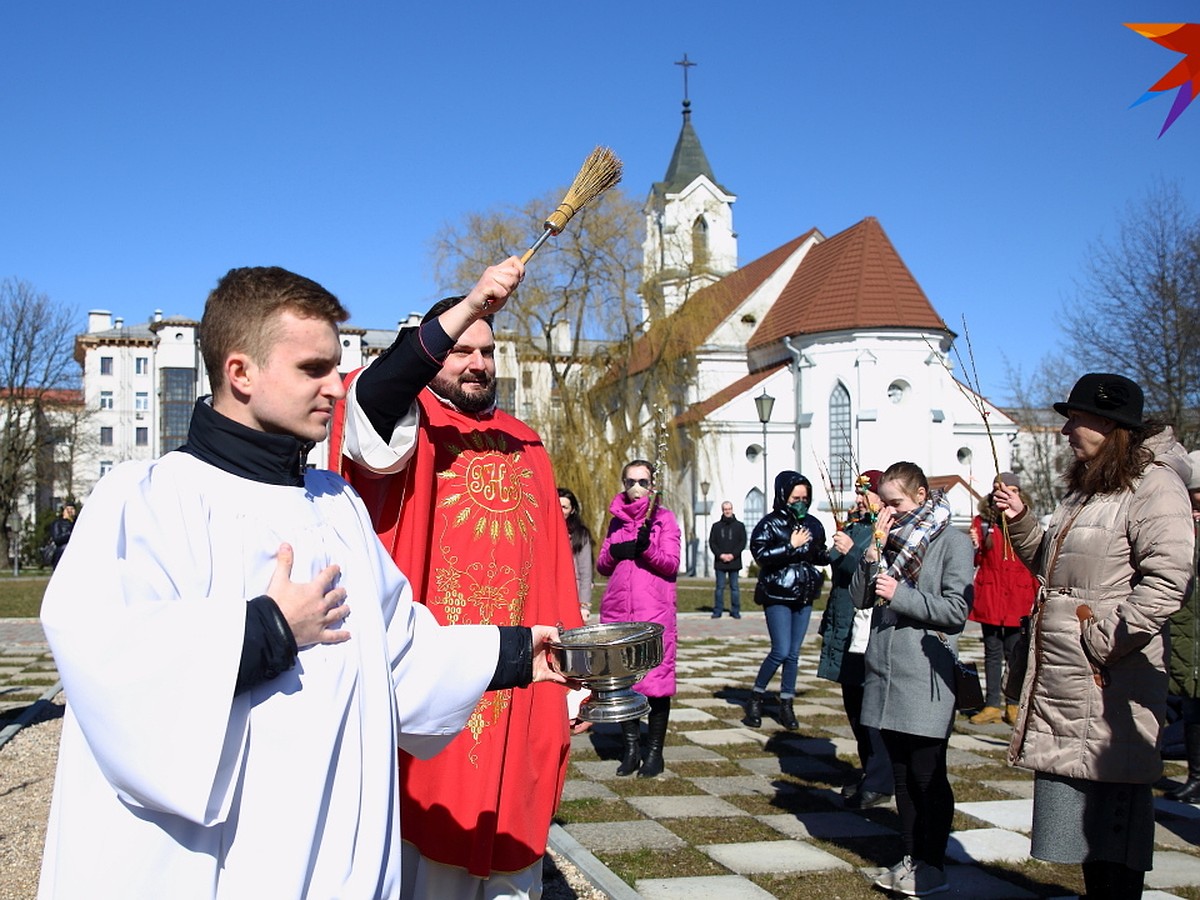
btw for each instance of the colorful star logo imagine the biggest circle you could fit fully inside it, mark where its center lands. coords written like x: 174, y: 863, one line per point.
x: 1182, y: 38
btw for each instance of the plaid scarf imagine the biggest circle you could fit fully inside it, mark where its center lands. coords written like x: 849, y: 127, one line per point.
x: 910, y: 536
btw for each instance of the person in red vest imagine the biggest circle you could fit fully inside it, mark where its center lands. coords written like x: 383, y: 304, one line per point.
x: 463, y: 496
x: 1004, y: 592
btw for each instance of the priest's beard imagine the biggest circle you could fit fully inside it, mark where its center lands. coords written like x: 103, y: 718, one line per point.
x: 473, y: 402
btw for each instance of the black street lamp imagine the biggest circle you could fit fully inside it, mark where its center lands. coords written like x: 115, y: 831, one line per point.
x: 704, y: 486
x: 764, y: 402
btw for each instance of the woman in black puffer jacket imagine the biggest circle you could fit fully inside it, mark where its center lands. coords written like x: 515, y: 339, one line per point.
x: 787, y: 545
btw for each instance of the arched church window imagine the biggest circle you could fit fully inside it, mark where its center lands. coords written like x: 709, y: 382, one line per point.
x: 754, y: 507
x: 700, y: 241
x: 841, y: 449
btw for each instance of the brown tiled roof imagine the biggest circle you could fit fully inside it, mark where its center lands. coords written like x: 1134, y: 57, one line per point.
x: 853, y: 280
x: 697, y: 412
x: 947, y: 482
x: 690, y: 325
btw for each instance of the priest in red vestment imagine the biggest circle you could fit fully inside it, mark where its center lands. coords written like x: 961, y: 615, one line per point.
x: 463, y: 496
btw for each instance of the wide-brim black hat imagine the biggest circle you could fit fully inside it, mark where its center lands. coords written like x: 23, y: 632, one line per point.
x: 1112, y: 396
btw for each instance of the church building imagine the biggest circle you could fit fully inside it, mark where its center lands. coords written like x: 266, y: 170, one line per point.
x: 823, y: 355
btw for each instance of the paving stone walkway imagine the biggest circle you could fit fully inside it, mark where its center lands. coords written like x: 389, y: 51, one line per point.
x: 757, y: 813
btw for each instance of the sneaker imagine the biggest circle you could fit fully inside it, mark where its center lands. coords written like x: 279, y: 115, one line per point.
x: 887, y: 879
x: 987, y: 716
x: 921, y: 881
x: 867, y: 800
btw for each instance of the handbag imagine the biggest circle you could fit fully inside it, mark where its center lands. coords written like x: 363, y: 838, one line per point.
x: 968, y: 692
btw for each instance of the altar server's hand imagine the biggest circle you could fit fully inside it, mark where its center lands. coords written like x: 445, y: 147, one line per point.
x: 545, y: 667
x: 313, y: 609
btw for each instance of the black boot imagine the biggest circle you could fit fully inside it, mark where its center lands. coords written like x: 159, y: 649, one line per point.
x: 787, y: 715
x: 754, y: 710
x: 631, y: 735
x: 1189, y: 791
x: 660, y: 712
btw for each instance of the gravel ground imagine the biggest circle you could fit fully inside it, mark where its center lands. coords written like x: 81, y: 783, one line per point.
x: 27, y: 779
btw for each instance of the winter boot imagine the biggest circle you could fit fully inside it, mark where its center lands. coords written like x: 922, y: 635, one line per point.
x: 631, y: 735
x: 754, y: 710
x: 787, y: 715
x: 660, y: 712
x: 1189, y: 791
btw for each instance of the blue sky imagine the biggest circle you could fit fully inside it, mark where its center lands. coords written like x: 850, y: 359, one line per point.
x: 148, y: 146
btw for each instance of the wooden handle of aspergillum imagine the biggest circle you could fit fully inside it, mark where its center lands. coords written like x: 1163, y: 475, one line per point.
x: 528, y: 255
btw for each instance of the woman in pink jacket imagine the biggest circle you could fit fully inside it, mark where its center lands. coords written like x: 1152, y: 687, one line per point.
x: 640, y: 558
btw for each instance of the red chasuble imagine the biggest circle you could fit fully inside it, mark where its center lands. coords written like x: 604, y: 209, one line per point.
x: 475, y: 523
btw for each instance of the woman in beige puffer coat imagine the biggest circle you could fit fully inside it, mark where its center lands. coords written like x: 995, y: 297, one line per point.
x: 1113, y: 564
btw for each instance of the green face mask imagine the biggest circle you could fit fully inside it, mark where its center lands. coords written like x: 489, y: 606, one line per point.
x: 799, y: 508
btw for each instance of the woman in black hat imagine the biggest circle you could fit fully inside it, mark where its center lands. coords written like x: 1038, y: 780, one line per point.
x: 1113, y: 564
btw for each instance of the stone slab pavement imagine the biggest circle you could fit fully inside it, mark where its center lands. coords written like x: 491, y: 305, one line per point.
x: 775, y: 792
x: 757, y: 810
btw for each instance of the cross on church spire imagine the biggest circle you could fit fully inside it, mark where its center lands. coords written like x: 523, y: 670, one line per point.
x: 686, y: 64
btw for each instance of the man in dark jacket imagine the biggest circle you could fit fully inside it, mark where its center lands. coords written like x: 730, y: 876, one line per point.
x: 727, y: 540
x: 60, y: 532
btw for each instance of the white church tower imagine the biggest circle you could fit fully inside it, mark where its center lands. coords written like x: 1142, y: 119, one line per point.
x: 690, y: 242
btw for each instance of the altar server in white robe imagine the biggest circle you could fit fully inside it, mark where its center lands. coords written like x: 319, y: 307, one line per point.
x: 231, y: 729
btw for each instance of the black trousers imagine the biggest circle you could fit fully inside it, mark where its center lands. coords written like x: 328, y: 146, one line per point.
x: 998, y: 643
x: 924, y: 798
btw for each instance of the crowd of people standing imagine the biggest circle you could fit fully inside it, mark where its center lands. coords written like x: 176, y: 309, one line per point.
x: 247, y: 626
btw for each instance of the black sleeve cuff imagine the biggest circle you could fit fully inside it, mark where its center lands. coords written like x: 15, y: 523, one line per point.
x: 268, y: 647
x: 514, y: 666
x: 387, y: 388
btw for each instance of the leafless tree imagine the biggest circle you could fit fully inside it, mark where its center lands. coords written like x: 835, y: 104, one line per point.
x: 36, y: 365
x: 1138, y: 307
x: 1040, y: 452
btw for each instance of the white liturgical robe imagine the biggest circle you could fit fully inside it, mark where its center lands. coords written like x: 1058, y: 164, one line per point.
x: 170, y: 786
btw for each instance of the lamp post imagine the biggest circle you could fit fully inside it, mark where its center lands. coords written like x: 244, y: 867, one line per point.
x: 14, y: 544
x: 704, y: 486
x: 764, y: 402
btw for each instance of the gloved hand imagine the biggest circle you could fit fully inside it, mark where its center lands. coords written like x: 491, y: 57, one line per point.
x: 623, y: 550
x: 642, y: 544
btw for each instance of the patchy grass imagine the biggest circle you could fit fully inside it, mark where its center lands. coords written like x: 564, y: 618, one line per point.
x: 829, y: 885
x: 662, y: 786
x: 702, y: 769
x: 972, y: 791
x: 721, y: 830
x: 593, y: 809
x: 784, y: 801
x: 683, y: 863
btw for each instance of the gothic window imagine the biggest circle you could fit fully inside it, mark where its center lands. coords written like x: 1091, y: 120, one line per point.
x: 700, y: 242
x: 841, y: 450
x: 754, y: 507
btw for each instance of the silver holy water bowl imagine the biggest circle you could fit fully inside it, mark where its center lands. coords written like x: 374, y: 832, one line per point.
x: 610, y: 658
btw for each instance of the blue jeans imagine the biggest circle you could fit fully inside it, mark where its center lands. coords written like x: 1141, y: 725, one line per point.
x: 735, y: 598
x: 786, y: 625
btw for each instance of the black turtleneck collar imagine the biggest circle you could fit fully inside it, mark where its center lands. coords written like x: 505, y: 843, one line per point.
x: 238, y: 450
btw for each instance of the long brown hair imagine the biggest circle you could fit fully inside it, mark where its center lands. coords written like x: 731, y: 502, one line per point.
x: 1120, y: 460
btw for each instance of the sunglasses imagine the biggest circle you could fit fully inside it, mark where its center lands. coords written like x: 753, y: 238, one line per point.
x: 640, y: 482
